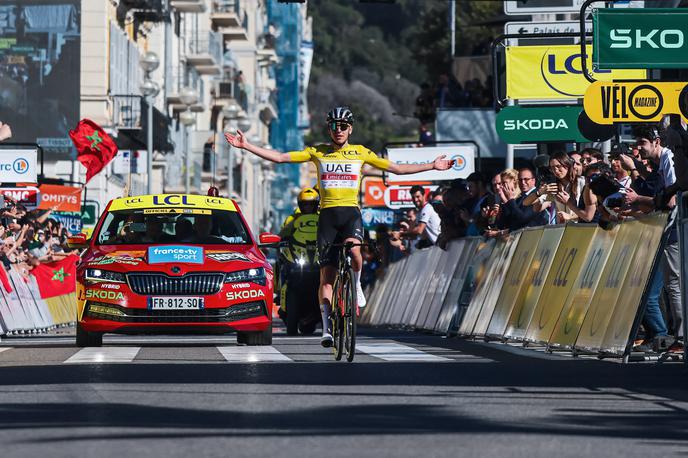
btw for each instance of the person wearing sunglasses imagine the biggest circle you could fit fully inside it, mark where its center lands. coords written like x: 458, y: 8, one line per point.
x: 339, y: 166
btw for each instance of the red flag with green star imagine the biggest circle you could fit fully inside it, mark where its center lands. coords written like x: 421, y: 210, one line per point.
x: 56, y: 278
x: 95, y: 147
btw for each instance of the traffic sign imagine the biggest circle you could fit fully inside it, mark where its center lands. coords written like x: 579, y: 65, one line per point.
x: 521, y: 27
x: 539, y: 124
x: 615, y: 102
x: 558, y: 6
x: 641, y: 38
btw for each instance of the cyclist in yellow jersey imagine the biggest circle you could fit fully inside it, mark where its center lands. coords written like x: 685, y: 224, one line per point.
x: 339, y: 167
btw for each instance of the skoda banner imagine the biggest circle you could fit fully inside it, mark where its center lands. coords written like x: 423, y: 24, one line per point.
x: 640, y: 38
x: 609, y: 103
x: 554, y: 72
x: 539, y: 124
x: 463, y: 156
x: 18, y: 165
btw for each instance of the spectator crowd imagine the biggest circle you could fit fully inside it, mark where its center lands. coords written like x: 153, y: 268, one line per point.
x: 28, y: 238
x: 575, y: 187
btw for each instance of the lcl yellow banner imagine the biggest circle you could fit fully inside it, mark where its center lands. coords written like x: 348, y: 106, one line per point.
x: 608, y: 103
x: 554, y: 72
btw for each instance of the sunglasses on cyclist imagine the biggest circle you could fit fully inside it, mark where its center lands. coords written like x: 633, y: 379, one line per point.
x: 338, y: 126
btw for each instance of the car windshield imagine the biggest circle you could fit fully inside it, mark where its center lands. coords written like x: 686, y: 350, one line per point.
x: 172, y: 225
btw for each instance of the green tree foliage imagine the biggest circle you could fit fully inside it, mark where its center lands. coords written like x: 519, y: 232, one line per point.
x: 366, y: 53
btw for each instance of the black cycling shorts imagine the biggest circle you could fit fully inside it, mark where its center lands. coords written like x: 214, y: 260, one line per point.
x: 335, y: 225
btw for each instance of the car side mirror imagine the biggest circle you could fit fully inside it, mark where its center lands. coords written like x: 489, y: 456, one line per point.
x: 77, y: 241
x: 268, y: 240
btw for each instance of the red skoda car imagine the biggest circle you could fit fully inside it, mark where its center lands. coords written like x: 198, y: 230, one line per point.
x: 173, y: 263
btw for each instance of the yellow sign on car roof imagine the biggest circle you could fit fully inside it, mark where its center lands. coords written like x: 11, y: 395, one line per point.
x: 172, y: 201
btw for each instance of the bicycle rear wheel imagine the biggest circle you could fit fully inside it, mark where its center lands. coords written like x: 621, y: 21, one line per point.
x: 350, y: 310
x: 337, y: 321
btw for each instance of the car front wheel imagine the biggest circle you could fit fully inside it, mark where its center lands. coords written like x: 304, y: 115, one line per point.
x: 88, y: 339
x: 256, y: 337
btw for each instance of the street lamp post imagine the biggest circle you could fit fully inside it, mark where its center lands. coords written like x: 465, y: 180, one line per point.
x: 149, y: 62
x: 188, y: 97
x: 231, y: 113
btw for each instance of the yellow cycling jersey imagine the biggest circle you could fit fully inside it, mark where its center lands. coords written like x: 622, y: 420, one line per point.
x: 339, y: 171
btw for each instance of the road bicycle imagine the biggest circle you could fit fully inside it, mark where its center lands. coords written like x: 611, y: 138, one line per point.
x: 344, y: 306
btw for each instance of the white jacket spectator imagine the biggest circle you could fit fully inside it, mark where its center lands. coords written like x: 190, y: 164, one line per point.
x: 427, y: 226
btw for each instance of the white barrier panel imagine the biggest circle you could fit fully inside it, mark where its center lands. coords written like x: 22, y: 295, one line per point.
x: 514, y: 286
x: 495, y: 284
x: 482, y: 273
x: 440, y: 283
x: 390, y: 299
x: 449, y: 315
x: 423, y: 285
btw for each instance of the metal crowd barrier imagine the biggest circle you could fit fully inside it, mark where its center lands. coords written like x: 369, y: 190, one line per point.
x: 575, y: 287
x: 24, y: 311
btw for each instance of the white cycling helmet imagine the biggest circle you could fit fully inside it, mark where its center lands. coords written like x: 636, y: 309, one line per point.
x: 340, y: 114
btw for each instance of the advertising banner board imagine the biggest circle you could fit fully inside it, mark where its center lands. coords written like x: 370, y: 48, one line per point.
x: 61, y: 198
x: 18, y: 165
x: 554, y: 72
x: 609, y: 103
x: 539, y: 124
x: 640, y: 38
x: 463, y: 155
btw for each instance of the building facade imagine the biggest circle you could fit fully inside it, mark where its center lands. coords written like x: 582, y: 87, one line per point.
x: 219, y: 67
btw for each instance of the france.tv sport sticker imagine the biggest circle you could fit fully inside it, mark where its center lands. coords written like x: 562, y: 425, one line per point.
x: 175, y: 253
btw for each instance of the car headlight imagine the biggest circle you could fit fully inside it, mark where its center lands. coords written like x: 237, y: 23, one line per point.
x: 105, y: 275
x: 255, y: 275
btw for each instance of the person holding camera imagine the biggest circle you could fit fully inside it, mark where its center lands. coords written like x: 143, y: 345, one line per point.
x: 560, y: 190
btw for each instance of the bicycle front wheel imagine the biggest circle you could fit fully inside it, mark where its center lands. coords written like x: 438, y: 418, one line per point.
x: 337, y: 321
x: 350, y: 311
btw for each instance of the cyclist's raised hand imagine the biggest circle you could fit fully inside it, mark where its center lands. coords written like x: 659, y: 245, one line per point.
x: 443, y: 164
x: 238, y: 140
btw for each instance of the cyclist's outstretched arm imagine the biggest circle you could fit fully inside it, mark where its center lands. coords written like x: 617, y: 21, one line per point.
x: 239, y: 141
x: 440, y: 163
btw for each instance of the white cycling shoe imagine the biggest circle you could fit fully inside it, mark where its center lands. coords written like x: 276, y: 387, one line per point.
x: 326, y: 340
x: 360, y: 297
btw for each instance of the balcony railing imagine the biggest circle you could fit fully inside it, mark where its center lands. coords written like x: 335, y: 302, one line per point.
x: 226, y: 89
x: 205, y: 53
x: 226, y: 13
x: 188, y: 6
x: 126, y: 112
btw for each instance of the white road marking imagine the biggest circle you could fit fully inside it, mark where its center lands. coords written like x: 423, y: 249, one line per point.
x: 104, y: 355
x: 397, y: 352
x: 251, y: 354
x: 5, y: 349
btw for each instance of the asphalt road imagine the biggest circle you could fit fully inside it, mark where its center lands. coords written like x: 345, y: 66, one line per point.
x: 406, y: 395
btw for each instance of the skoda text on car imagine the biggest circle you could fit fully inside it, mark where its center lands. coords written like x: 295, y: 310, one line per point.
x: 173, y: 263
